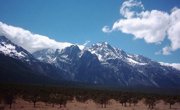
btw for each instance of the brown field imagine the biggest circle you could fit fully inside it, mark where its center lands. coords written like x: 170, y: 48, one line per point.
x: 20, y: 104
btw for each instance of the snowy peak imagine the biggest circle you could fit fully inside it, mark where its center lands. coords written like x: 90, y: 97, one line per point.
x: 71, y: 51
x: 104, y: 51
x: 102, y: 46
x: 67, y: 54
x: 45, y: 55
x: 100, y: 64
x: 12, y: 50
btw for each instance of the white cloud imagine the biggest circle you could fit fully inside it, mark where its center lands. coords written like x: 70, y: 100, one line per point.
x: 150, y: 26
x: 106, y: 29
x: 166, y: 50
x: 126, y: 8
x: 28, y: 40
x: 174, y: 65
x: 153, y: 26
x: 174, y: 29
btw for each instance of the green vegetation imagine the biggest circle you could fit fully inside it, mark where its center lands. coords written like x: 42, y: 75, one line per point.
x: 61, y: 95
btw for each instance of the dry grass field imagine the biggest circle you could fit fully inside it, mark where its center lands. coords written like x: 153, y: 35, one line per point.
x: 20, y: 104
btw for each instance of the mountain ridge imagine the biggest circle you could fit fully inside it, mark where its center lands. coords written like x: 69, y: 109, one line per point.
x: 117, y: 64
x: 27, y: 64
x: 99, y: 64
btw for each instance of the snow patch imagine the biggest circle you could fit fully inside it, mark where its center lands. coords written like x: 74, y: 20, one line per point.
x: 174, y: 65
x: 134, y: 62
x: 99, y: 57
x: 8, y: 49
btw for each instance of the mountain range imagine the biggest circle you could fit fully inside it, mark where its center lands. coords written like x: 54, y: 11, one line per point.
x: 98, y: 64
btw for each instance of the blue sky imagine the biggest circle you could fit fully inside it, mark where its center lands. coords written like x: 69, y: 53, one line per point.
x: 78, y: 21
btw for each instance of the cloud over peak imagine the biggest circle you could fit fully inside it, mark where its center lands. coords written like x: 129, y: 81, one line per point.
x: 174, y: 65
x: 28, y: 40
x: 153, y: 26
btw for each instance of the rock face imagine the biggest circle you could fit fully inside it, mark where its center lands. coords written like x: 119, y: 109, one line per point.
x: 99, y: 64
x: 18, y: 65
x: 12, y: 50
x: 103, y: 64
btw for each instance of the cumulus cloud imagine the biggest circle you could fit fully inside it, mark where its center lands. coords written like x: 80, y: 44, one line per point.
x: 174, y: 65
x: 126, y: 8
x: 30, y: 41
x: 149, y: 26
x: 153, y: 26
x: 174, y: 29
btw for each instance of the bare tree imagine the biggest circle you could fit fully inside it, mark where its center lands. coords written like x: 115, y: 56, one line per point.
x: 171, y: 100
x: 9, y: 98
x: 151, y: 101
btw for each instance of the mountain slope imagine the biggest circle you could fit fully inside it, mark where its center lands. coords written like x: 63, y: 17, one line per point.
x: 18, y: 65
x: 99, y: 64
x: 103, y: 64
x: 12, y: 50
x: 15, y: 71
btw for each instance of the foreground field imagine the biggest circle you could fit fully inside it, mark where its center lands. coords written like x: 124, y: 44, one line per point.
x: 37, y: 97
x: 20, y: 104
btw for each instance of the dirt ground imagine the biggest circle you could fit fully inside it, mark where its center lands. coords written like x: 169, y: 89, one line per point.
x: 89, y: 105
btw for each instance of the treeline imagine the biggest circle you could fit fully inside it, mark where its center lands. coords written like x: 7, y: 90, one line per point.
x: 61, y: 95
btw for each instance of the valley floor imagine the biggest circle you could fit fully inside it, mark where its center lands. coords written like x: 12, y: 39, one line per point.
x: 20, y: 104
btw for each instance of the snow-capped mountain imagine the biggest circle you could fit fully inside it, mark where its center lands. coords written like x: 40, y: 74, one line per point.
x: 105, y: 52
x: 18, y: 60
x: 64, y: 59
x: 45, y: 55
x: 103, y: 64
x: 12, y: 50
x: 97, y: 64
